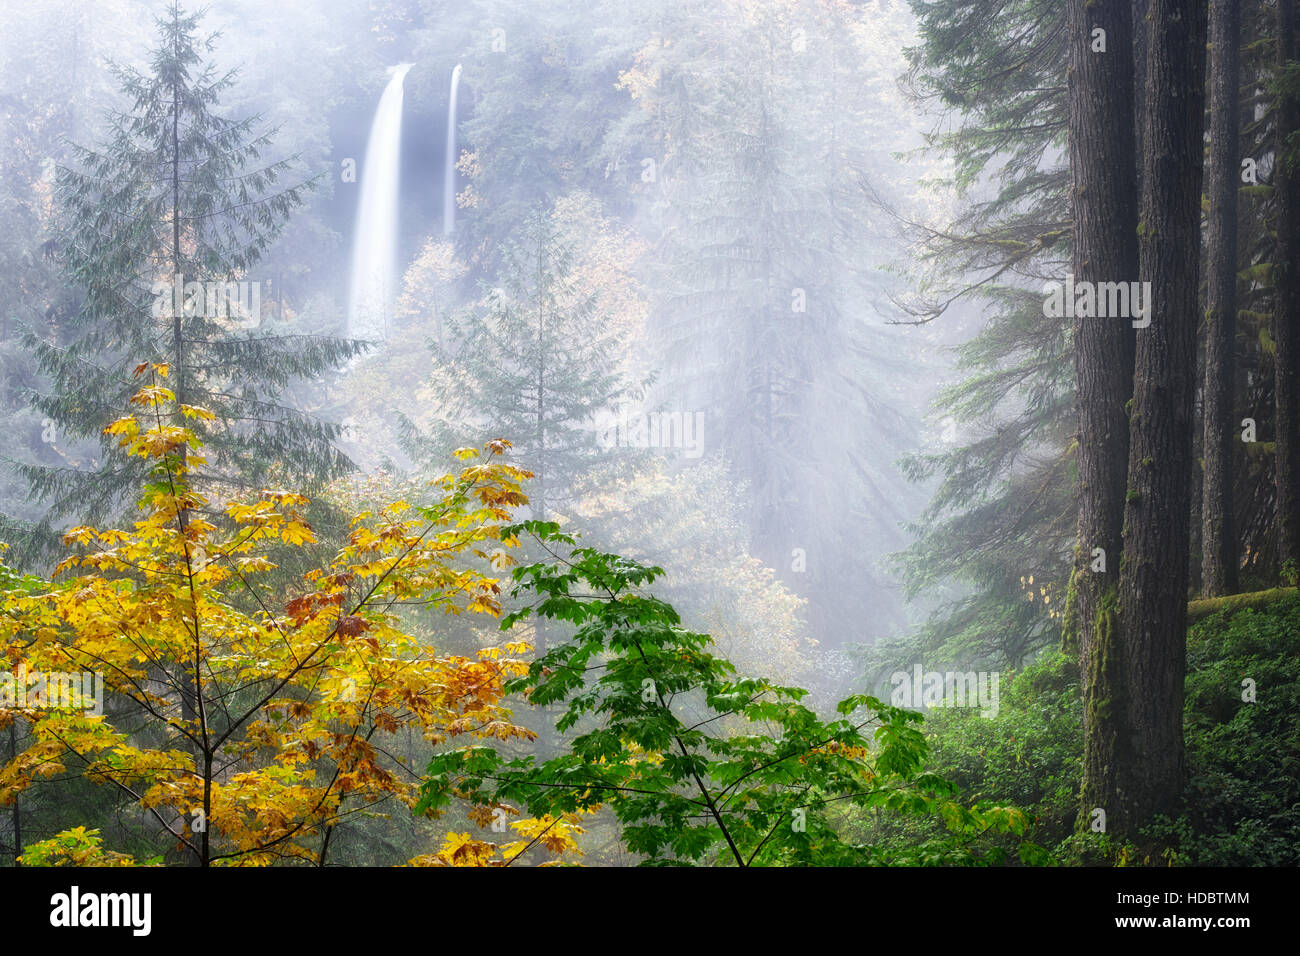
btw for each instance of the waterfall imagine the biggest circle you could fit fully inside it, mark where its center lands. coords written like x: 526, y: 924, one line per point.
x: 449, y: 174
x: 374, y: 247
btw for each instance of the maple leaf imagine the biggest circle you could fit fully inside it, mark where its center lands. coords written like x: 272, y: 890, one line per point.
x: 123, y: 426
x: 297, y: 532
x: 351, y: 625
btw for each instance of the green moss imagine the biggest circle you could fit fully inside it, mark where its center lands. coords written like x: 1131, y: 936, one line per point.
x: 1266, y: 343
x: 1204, y: 607
x: 1103, y: 657
x: 1242, y: 799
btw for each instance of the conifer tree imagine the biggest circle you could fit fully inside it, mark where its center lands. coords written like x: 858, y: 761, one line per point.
x: 1104, y: 205
x: 1145, y: 777
x: 535, y: 360
x: 162, y: 228
x: 1287, y: 285
x: 1218, y: 534
x: 994, y: 542
x: 772, y: 305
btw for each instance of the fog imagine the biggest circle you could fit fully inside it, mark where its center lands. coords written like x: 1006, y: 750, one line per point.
x: 701, y: 432
x: 718, y: 163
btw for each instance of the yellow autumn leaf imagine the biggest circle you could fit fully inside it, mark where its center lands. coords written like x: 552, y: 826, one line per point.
x: 297, y: 532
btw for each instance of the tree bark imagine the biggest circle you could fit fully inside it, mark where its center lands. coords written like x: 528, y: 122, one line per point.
x: 1105, y: 249
x: 1139, y: 78
x: 1286, y: 183
x: 1219, y: 553
x: 1154, y: 575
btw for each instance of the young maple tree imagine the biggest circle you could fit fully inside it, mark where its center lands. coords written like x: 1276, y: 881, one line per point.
x: 699, y: 766
x: 249, y: 726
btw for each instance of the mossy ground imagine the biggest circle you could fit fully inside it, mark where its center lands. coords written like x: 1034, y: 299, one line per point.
x: 1242, y: 794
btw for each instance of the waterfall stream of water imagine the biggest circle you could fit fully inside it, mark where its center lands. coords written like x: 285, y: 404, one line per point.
x: 374, y: 249
x: 449, y: 175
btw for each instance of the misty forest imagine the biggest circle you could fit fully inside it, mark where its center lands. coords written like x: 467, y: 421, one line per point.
x: 685, y: 432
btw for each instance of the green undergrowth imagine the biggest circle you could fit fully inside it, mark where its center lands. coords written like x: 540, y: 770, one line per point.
x: 1242, y: 793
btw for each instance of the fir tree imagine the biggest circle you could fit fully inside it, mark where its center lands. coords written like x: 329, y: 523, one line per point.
x: 772, y: 306
x: 536, y: 361
x: 178, y: 195
x: 1219, y: 551
x: 994, y: 543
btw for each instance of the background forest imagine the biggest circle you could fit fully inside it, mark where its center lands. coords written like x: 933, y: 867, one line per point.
x: 700, y: 474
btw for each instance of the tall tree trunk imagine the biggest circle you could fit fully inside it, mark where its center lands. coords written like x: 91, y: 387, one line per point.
x: 1218, y: 533
x: 1157, y: 532
x: 1139, y: 79
x: 1287, y: 283
x: 1104, y: 200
